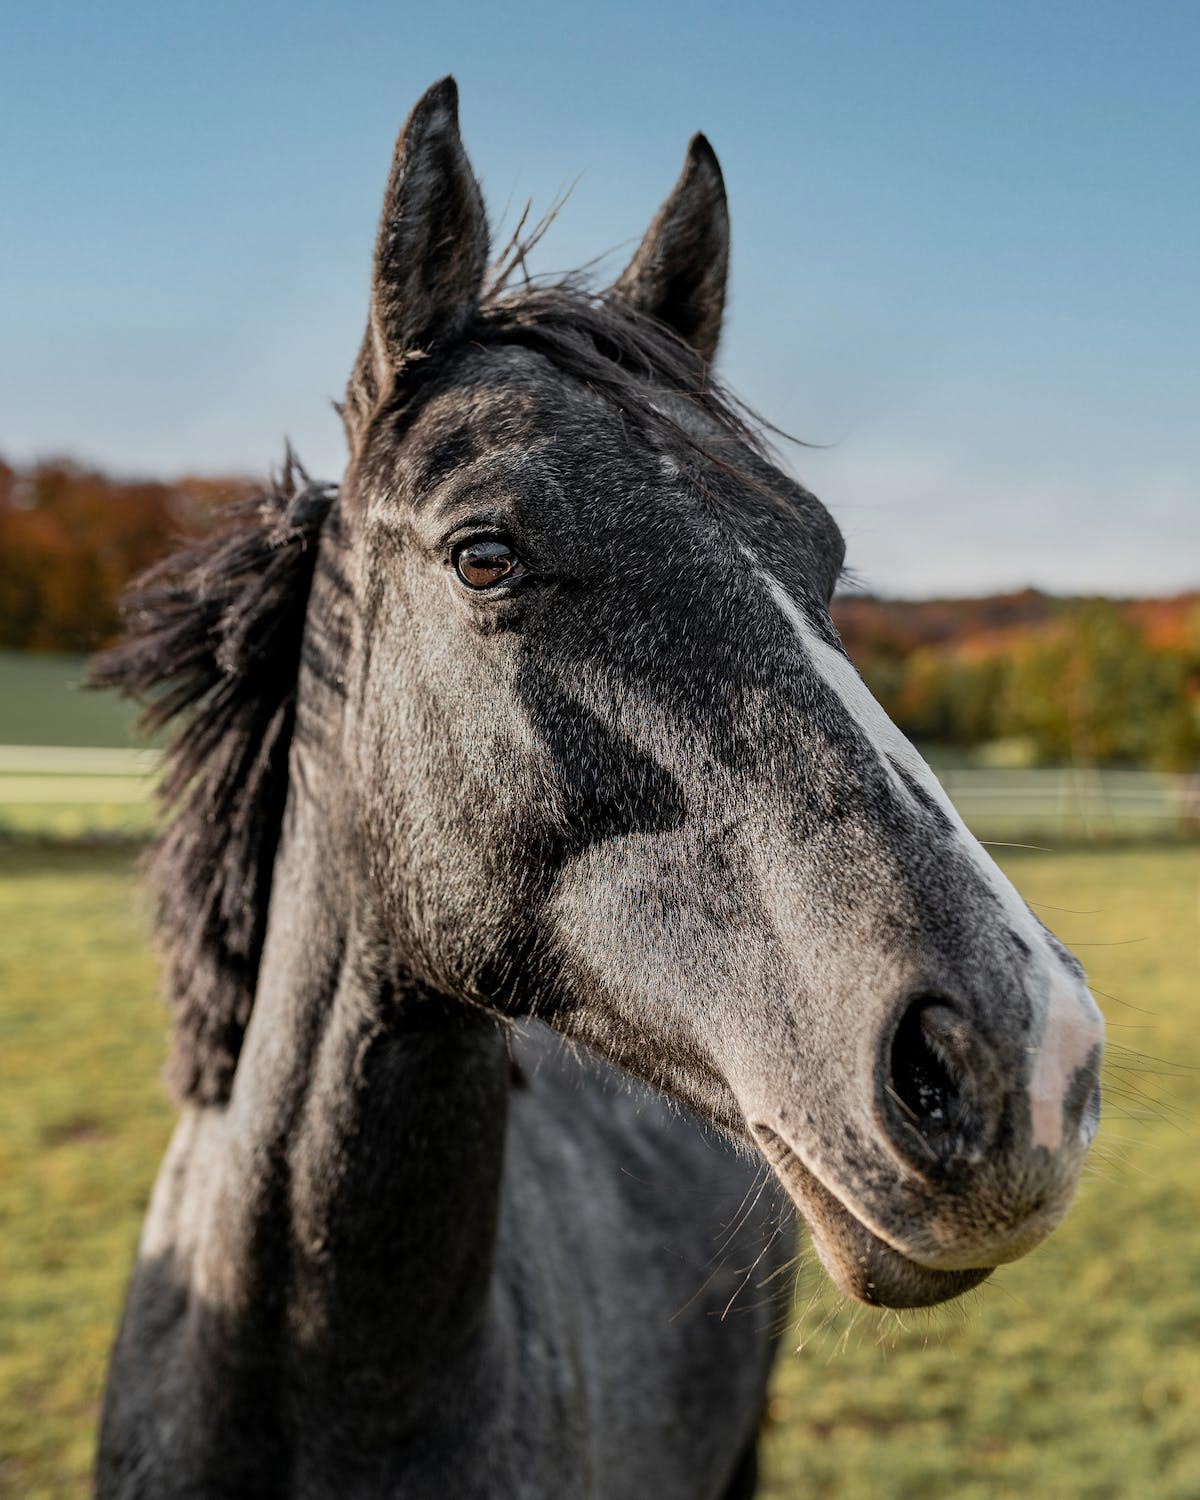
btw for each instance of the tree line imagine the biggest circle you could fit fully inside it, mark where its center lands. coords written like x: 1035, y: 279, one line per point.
x: 1050, y: 681
x: 71, y: 538
x: 1085, y: 681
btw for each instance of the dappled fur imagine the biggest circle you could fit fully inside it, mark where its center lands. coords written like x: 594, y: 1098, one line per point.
x: 211, y: 650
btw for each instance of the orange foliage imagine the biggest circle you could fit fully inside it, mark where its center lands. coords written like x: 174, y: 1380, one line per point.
x: 72, y: 538
x: 997, y: 624
x: 1086, y: 680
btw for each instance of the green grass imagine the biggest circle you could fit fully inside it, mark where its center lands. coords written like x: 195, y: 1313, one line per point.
x: 42, y: 703
x: 82, y: 1119
x: 1075, y: 1373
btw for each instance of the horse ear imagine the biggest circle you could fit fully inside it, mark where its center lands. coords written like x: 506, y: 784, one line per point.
x: 432, y: 249
x: 678, y: 274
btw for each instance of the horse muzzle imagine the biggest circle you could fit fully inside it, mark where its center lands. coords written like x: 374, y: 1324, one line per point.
x: 969, y: 1158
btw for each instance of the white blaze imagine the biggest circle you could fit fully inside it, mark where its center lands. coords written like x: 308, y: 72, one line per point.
x: 1072, y: 1024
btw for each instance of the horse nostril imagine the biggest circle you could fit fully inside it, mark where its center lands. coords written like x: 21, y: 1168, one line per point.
x: 921, y: 1077
x: 939, y: 1083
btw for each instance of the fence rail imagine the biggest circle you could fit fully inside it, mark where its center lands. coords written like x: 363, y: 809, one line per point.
x: 69, y: 792
x: 111, y: 790
x: 1077, y: 802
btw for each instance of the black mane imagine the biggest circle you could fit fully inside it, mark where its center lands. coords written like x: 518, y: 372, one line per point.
x: 212, y: 649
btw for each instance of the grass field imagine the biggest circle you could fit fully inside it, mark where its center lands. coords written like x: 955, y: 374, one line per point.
x: 81, y: 786
x: 1075, y: 1373
x: 42, y: 702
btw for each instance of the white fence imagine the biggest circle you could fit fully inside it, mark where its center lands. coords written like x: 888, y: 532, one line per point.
x: 64, y: 774
x: 1076, y: 803
x: 62, y: 792
x: 66, y: 789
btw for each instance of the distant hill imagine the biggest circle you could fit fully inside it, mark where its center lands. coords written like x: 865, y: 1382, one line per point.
x: 43, y: 702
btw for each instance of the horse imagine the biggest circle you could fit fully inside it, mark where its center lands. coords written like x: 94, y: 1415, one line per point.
x: 549, y: 913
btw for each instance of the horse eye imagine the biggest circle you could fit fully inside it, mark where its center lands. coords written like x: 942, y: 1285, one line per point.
x: 482, y: 565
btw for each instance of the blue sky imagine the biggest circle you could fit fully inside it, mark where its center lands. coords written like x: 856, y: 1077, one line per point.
x: 966, y: 241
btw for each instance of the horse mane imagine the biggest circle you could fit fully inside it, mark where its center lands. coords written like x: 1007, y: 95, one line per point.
x: 212, y: 645
x: 211, y: 650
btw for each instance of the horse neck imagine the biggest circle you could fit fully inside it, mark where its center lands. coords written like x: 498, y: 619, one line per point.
x: 365, y: 1135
